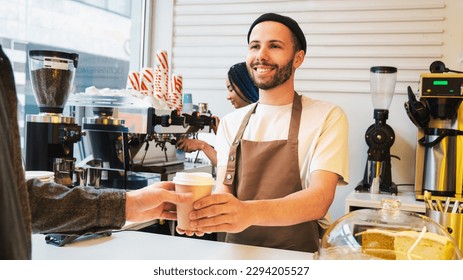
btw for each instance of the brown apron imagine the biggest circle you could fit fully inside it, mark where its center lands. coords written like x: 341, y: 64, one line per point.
x: 268, y: 170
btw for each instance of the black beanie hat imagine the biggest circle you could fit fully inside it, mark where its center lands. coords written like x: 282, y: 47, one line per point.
x: 288, y: 22
x: 238, y: 76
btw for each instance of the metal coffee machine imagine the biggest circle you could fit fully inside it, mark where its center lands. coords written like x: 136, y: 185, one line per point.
x: 380, y: 136
x: 128, y: 141
x: 50, y: 136
x: 438, y: 115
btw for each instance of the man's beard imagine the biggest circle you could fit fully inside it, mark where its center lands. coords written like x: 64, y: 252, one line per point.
x: 282, y: 75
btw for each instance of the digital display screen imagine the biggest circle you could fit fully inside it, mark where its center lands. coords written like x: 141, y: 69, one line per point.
x: 440, y: 82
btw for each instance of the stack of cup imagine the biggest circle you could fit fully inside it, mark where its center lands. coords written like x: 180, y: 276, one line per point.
x: 161, y: 59
x: 146, y: 81
x: 133, y: 81
x: 161, y: 77
x: 177, y: 92
x: 200, y: 185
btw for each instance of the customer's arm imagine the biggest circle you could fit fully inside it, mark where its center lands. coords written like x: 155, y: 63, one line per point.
x: 59, y: 209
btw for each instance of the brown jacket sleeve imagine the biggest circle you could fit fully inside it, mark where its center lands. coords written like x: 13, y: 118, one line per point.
x: 58, y: 209
x: 15, y: 238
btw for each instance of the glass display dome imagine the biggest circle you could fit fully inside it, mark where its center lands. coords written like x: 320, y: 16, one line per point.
x: 389, y: 234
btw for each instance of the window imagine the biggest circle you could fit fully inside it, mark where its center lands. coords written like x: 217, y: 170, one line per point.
x: 121, y: 7
x: 102, y: 32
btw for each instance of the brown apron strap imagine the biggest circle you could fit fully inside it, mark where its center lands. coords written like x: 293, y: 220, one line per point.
x: 231, y: 165
x: 296, y: 113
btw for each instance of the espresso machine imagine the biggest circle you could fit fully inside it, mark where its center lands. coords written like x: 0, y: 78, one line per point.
x: 380, y: 136
x: 50, y: 136
x: 128, y: 141
x: 438, y: 115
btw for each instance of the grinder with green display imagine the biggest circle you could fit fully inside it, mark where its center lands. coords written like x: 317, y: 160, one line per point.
x: 438, y: 115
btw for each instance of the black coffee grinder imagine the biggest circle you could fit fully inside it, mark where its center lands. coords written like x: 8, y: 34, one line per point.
x: 50, y: 136
x: 380, y: 136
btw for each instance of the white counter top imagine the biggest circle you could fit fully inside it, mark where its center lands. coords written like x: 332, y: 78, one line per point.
x: 130, y: 245
x: 359, y: 200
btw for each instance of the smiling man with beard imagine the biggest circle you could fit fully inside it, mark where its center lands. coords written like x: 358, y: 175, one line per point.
x: 280, y: 160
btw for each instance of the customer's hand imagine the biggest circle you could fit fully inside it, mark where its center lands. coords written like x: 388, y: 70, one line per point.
x: 155, y: 201
x: 191, y: 145
x: 219, y: 213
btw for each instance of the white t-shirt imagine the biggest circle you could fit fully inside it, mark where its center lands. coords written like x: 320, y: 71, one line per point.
x: 323, y: 135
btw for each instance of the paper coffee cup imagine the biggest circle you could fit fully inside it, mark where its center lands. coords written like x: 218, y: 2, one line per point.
x: 200, y: 185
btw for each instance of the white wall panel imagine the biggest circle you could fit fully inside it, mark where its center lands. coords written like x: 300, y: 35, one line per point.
x: 406, y: 34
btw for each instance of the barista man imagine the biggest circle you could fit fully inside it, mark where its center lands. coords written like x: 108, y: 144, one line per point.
x: 279, y: 160
x: 241, y: 92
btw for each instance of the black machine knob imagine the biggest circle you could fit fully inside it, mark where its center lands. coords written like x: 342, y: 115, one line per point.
x: 380, y: 136
x: 380, y: 139
x: 177, y: 118
x: 194, y: 119
x: 163, y: 120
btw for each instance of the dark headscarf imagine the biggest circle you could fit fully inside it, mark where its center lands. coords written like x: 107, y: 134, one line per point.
x: 238, y: 76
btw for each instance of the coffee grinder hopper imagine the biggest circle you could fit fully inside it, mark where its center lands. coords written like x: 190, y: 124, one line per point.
x: 52, y: 76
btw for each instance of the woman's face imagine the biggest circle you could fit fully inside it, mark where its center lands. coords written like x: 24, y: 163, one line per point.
x: 235, y: 100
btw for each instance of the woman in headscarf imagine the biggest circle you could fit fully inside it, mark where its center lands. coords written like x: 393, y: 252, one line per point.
x: 241, y: 89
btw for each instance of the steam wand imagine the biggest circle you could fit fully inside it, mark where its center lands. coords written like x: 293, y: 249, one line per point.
x: 162, y: 144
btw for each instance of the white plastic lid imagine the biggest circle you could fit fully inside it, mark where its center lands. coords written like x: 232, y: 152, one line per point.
x: 193, y: 179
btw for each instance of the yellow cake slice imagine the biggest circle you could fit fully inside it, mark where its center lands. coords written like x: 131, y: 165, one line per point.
x: 378, y: 243
x: 429, y: 246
